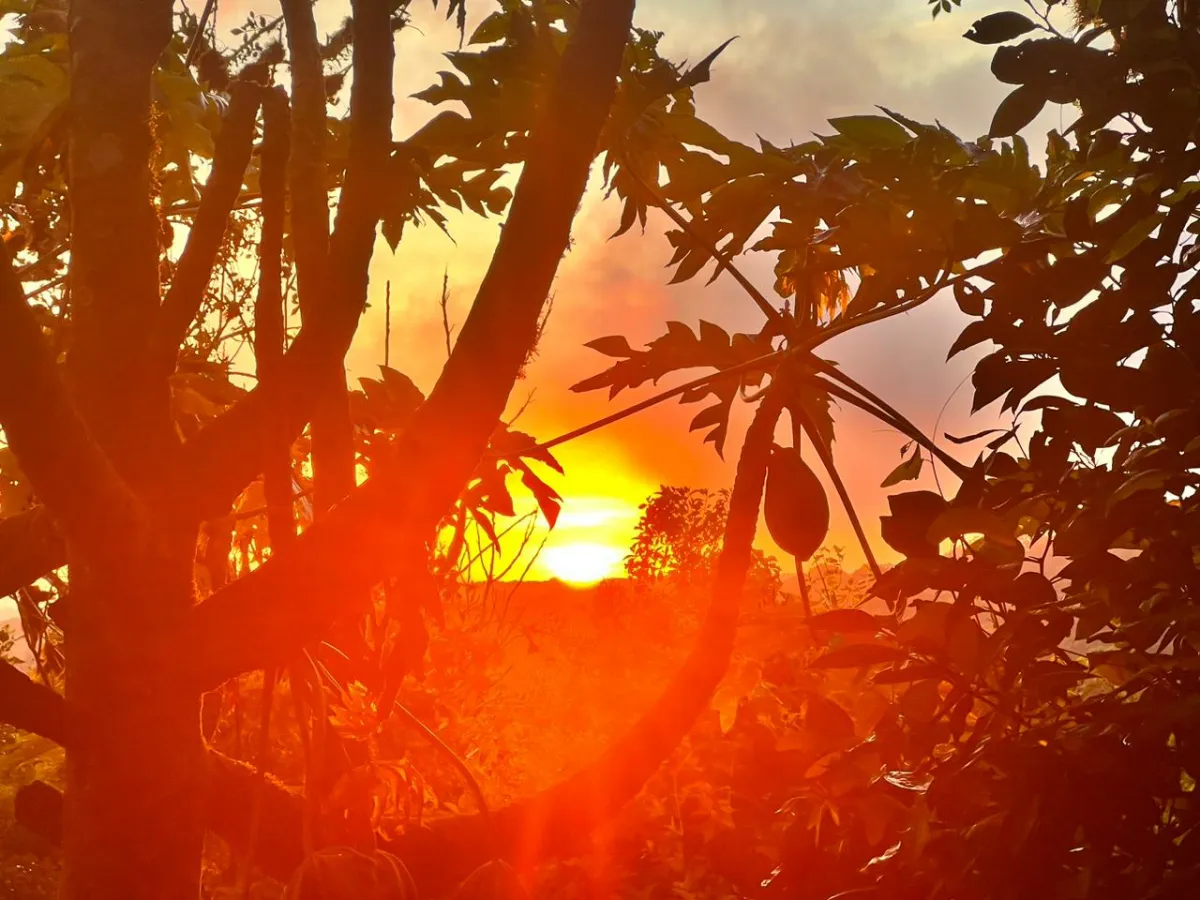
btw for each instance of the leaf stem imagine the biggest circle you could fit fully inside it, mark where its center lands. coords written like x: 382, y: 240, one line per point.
x: 723, y: 260
x: 458, y: 763
x: 751, y: 364
x: 898, y: 422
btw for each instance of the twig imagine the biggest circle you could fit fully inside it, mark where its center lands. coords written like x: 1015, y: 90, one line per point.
x: 387, y: 325
x: 200, y: 26
x: 445, y: 302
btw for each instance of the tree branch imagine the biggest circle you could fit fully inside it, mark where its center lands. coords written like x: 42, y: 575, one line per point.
x: 30, y: 546
x: 269, y: 327
x: 68, y: 471
x: 294, y: 597
x: 227, y: 454
x: 221, y: 191
x: 556, y: 822
x: 309, y: 188
x: 353, y: 240
x: 30, y: 706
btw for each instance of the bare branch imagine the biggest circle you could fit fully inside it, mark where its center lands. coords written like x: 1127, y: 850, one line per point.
x: 353, y: 241
x: 270, y: 335
x: 269, y: 324
x: 294, y: 597
x: 227, y: 454
x: 221, y: 192
x: 309, y: 188
x: 68, y: 471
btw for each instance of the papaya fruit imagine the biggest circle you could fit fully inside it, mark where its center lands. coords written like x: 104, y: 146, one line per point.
x: 796, y: 508
x: 343, y: 873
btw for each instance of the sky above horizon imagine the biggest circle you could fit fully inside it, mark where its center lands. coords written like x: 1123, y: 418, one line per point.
x: 793, y: 67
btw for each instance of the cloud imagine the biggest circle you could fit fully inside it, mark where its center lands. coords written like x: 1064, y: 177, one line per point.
x: 793, y: 67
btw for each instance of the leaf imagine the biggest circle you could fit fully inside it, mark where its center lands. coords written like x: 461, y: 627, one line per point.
x: 1017, y: 110
x: 920, y: 702
x: 614, y: 345
x: 702, y: 71
x: 909, y: 470
x: 906, y: 673
x: 492, y: 29
x: 549, y: 501
x: 975, y: 333
x: 1154, y: 480
x: 858, y: 656
x: 1132, y: 239
x: 957, y: 521
x: 907, y: 528
x: 872, y: 131
x: 844, y: 621
x: 969, y: 298
x: 706, y: 418
x: 1000, y: 27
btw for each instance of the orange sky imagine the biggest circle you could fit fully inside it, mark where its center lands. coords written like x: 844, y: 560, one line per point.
x: 793, y: 67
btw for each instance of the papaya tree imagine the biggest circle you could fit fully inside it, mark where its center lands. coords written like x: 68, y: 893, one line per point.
x: 1033, y: 730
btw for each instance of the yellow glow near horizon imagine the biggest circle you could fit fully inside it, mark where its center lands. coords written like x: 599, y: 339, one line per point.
x: 583, y: 562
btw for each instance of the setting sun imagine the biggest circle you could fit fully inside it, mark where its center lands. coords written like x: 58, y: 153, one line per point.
x: 583, y: 562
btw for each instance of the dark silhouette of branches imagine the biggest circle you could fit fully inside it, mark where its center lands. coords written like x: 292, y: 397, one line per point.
x: 221, y: 192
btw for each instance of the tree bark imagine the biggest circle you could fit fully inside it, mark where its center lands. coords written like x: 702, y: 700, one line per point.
x: 115, y: 232
x: 133, y: 816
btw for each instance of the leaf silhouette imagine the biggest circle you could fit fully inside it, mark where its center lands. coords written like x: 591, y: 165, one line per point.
x: 1017, y: 110
x: 858, y: 656
x: 1000, y: 27
x: 844, y: 621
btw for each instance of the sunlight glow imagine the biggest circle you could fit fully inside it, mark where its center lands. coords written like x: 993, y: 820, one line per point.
x: 583, y: 562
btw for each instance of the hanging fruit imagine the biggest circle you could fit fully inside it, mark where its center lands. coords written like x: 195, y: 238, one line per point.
x: 797, y: 510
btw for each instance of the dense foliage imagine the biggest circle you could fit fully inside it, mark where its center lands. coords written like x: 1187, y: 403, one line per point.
x: 1016, y: 712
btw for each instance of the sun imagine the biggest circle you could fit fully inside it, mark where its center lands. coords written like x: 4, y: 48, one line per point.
x: 582, y: 562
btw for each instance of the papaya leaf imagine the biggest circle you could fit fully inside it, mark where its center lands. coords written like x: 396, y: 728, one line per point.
x: 872, y: 131
x: 908, y: 470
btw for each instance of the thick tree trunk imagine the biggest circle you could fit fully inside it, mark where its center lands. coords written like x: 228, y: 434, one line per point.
x: 134, y: 818
x: 133, y: 814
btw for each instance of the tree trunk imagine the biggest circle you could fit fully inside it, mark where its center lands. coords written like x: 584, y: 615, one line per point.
x: 133, y: 817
